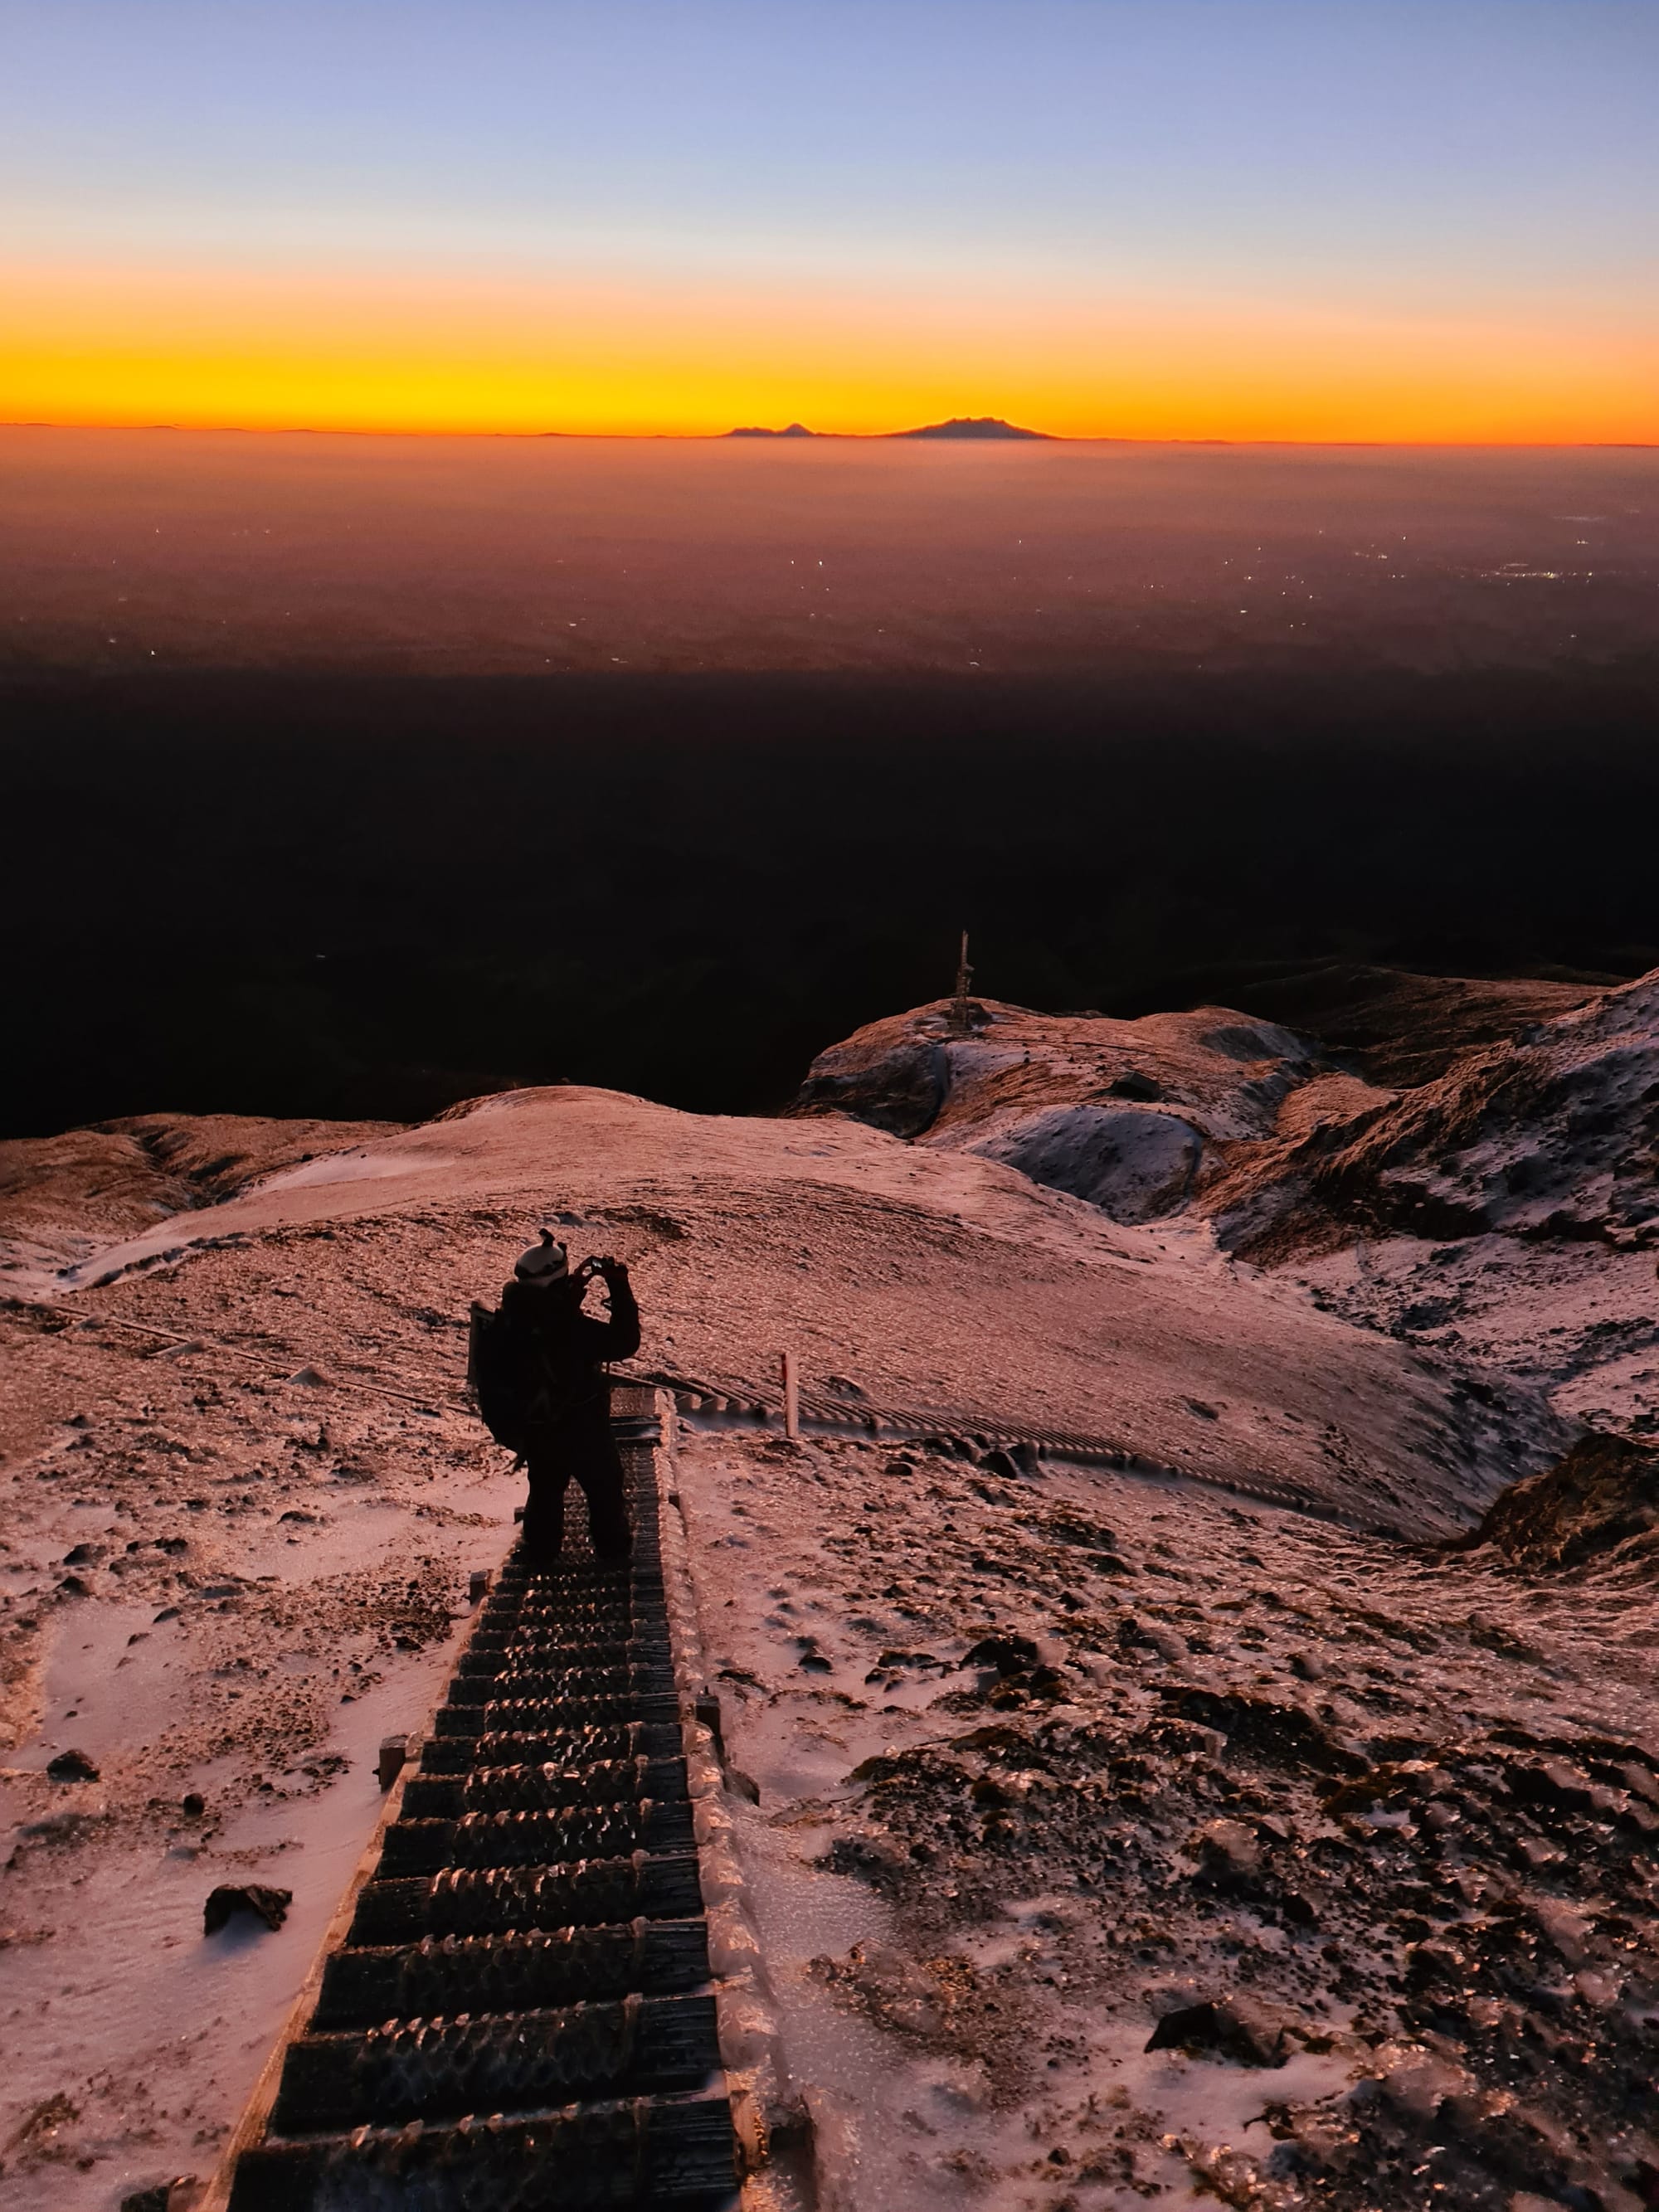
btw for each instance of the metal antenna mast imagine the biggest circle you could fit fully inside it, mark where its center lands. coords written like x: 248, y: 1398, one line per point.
x: 960, y: 1024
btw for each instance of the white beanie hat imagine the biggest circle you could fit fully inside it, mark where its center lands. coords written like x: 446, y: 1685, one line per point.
x: 542, y: 1263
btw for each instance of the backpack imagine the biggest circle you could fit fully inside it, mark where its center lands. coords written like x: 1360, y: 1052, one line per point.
x: 501, y: 1363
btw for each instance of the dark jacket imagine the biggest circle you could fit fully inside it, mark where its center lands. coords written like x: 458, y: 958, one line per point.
x: 566, y: 1352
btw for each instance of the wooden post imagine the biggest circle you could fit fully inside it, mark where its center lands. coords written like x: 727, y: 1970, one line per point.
x: 791, y: 1398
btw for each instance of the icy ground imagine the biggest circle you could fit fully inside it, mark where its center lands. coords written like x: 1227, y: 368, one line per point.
x: 218, y: 1584
x: 1023, y: 1764
x: 1036, y: 1762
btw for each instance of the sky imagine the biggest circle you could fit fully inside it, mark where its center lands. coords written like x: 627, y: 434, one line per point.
x: 1393, y: 220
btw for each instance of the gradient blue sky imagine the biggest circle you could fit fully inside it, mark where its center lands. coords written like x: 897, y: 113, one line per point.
x: 1440, y: 197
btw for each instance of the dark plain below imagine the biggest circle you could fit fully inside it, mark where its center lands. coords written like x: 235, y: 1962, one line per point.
x: 370, y: 896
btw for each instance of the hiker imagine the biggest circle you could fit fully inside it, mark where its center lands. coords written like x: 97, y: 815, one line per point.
x: 538, y: 1367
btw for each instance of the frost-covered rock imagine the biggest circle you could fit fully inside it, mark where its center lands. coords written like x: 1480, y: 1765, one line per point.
x: 1121, y: 1113
x: 1132, y: 1163
x: 1554, y: 1132
x: 1603, y: 1494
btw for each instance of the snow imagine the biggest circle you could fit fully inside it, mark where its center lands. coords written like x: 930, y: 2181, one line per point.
x: 1132, y: 1163
x: 977, y: 1880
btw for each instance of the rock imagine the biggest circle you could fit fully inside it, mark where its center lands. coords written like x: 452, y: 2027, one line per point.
x: 1134, y: 1163
x: 1280, y: 1734
x: 873, y: 1857
x: 1135, y: 1634
x: 1605, y: 1491
x: 1229, y: 1854
x: 176, y: 2196
x: 83, y: 1555
x: 1389, y: 1786
x: 72, y: 1766
x: 194, y: 1805
x: 1230, y: 2028
x: 56, y: 1828
x: 230, y: 1899
x: 1009, y: 1654
x: 1034, y: 1682
x: 900, y: 1090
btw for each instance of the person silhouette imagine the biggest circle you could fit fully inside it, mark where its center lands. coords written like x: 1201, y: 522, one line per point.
x: 566, y: 1427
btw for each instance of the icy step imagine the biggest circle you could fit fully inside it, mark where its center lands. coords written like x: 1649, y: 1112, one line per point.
x: 574, y: 1746
x: 492, y: 1900
x: 563, y: 1648
x: 443, y: 2069
x: 541, y: 1789
x: 509, y: 1973
x: 559, y: 1685
x: 648, y: 2151
x: 492, y: 1715
x: 641, y: 1597
x: 547, y: 1839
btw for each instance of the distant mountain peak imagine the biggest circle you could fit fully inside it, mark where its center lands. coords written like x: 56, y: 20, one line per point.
x: 959, y: 426
x: 972, y: 426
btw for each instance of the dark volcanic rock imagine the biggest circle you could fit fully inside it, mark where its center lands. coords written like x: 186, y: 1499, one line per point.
x: 230, y: 1899
x: 72, y: 1766
x: 1009, y: 1654
x: 1604, y: 1493
x: 1133, y: 1163
x: 1229, y: 1854
x: 1281, y: 1734
x: 901, y: 1090
x: 159, y: 2195
x: 1230, y: 2029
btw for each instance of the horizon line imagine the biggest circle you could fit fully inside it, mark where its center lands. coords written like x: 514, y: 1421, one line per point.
x: 862, y: 437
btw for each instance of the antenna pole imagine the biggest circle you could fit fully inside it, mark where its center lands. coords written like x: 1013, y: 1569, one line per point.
x: 960, y: 1024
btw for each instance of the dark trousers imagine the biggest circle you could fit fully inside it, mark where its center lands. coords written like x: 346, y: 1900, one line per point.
x: 591, y: 1461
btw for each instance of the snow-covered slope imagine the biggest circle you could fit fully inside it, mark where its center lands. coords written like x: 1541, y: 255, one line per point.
x: 1123, y: 1114
x: 1506, y: 1214
x: 241, y: 1497
x: 62, y: 1197
x: 928, y: 1276
x: 1553, y: 1133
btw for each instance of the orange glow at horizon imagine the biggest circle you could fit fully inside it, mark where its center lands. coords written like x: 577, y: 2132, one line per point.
x: 463, y: 354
